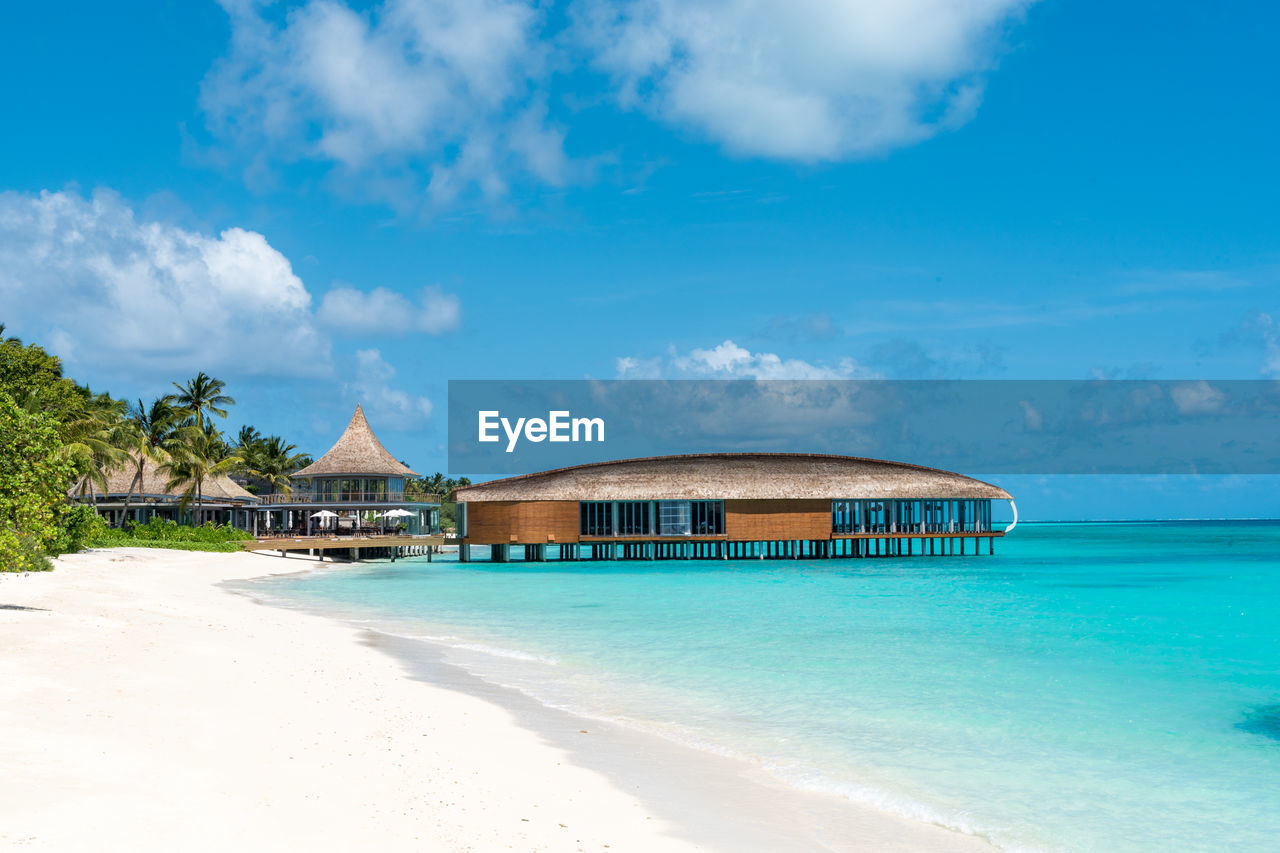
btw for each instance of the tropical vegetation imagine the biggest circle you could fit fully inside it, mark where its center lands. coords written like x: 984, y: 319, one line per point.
x: 164, y: 533
x: 34, y: 473
x: 268, y: 462
x: 439, y: 484
x: 58, y: 437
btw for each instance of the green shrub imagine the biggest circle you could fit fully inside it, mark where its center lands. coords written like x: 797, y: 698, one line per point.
x: 21, y: 552
x: 170, y: 534
x: 80, y: 525
x: 34, y: 474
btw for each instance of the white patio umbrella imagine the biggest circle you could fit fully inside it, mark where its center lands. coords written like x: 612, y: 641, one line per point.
x: 323, y: 514
x: 397, y: 513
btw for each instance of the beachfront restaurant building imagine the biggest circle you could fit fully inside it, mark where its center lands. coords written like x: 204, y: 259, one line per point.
x: 128, y: 498
x: 358, y: 486
x: 731, y: 506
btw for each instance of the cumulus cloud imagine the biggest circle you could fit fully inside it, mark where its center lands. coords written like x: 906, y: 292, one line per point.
x: 117, y: 296
x: 383, y: 402
x: 422, y: 103
x: 809, y: 80
x: 84, y: 275
x: 383, y: 311
x: 728, y: 360
x: 439, y: 93
x: 1197, y: 398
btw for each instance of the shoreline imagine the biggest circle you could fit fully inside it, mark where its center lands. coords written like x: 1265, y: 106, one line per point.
x: 457, y: 762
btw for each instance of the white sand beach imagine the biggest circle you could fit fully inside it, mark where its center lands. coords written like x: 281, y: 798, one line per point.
x: 142, y: 707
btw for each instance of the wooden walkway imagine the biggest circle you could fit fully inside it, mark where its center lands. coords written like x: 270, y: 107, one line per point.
x: 393, y: 546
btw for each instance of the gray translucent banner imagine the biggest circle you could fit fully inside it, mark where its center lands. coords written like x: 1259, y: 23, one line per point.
x: 990, y: 427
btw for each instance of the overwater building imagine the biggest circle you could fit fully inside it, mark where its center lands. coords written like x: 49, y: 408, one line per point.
x: 731, y: 505
x: 357, y: 484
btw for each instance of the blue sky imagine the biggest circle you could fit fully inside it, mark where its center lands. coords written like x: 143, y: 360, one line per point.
x: 330, y: 202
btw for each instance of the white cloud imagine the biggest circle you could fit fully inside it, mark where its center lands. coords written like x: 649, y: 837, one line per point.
x: 1197, y: 397
x: 1031, y: 417
x: 102, y: 287
x: 730, y: 361
x: 800, y: 79
x: 383, y: 311
x: 120, y: 298
x: 440, y: 87
x: 372, y: 387
x: 421, y: 103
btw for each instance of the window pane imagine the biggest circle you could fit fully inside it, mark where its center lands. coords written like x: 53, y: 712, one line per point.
x: 674, y: 518
x: 595, y: 518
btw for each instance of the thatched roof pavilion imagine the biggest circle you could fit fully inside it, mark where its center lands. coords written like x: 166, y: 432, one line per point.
x: 357, y: 453
x: 734, y: 476
x: 221, y: 499
x: 359, y: 480
x: 154, y: 487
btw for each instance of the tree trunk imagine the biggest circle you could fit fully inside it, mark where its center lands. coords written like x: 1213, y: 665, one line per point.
x: 137, y: 481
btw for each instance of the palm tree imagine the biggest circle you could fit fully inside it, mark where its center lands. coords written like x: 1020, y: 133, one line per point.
x: 433, y: 485
x: 199, y: 454
x: 248, y: 447
x: 274, y: 462
x: 152, y: 435
x: 249, y: 437
x: 204, y: 393
x: 94, y: 438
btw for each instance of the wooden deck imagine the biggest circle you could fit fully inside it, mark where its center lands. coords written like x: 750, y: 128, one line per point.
x: 346, y: 543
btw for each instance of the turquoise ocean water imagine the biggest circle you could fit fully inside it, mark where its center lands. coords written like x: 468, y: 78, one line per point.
x: 1104, y: 687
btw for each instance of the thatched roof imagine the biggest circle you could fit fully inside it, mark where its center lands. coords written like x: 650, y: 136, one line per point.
x: 357, y: 453
x: 219, y: 489
x: 734, y: 476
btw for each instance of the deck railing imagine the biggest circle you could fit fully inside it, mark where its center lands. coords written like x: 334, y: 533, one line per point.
x: 308, y: 497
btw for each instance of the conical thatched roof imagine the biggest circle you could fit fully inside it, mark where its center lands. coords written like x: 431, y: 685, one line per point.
x: 357, y: 453
x: 154, y: 485
x: 734, y: 476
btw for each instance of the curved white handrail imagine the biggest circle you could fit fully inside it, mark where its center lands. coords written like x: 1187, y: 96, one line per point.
x: 1015, y: 517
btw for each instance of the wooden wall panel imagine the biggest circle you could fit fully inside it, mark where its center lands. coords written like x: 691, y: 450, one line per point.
x: 536, y: 520
x: 495, y: 522
x: 778, y: 519
x: 489, y: 522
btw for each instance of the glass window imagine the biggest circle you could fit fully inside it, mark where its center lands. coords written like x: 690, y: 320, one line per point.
x: 707, y: 517
x: 633, y: 518
x: 595, y: 518
x: 674, y: 518
x: 875, y: 517
x: 842, y: 517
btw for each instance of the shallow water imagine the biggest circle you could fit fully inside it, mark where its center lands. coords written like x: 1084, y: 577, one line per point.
x: 1090, y: 687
